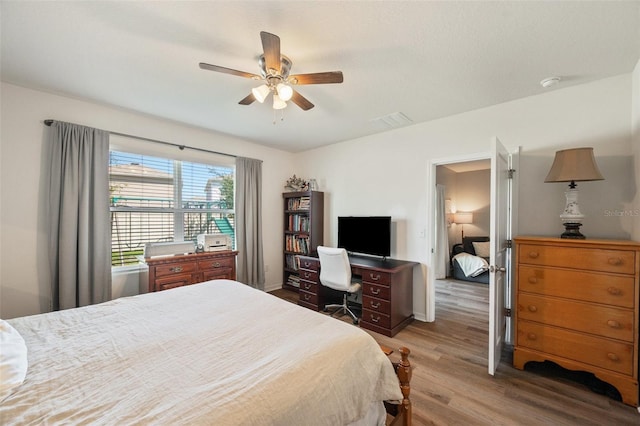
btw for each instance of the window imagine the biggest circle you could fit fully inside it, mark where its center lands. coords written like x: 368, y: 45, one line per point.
x: 156, y: 199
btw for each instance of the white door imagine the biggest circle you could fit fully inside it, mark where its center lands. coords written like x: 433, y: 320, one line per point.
x: 499, y: 234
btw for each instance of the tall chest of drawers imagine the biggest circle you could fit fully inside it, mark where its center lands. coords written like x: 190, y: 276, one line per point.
x: 577, y: 305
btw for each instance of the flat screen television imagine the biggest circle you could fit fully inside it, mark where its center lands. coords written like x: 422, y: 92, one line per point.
x: 365, y: 234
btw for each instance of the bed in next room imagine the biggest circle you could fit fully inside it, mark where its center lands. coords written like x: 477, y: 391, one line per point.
x: 215, y: 353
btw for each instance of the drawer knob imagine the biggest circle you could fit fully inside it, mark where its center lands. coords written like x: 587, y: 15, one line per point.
x: 612, y: 356
x: 307, y: 275
x: 176, y: 269
x: 374, y: 305
x: 375, y: 291
x: 216, y: 264
x: 614, y: 291
x: 307, y: 297
x: 534, y: 254
x: 613, y: 324
x: 307, y: 286
x: 307, y: 264
x: 532, y: 336
x: 375, y: 319
x: 374, y: 277
x: 615, y: 261
x: 532, y: 308
x: 533, y: 280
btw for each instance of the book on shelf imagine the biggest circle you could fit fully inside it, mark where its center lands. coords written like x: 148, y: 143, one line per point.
x: 298, y: 223
x: 297, y: 244
x: 302, y: 203
x: 294, y: 281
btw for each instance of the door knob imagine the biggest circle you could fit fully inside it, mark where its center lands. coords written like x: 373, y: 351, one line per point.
x: 493, y: 268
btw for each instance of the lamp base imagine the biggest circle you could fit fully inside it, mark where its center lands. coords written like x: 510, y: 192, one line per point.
x: 572, y: 231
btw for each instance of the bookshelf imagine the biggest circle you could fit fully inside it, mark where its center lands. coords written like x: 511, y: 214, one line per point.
x: 303, y: 231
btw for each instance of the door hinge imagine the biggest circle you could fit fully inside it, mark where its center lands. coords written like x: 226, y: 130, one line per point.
x: 511, y: 172
x: 508, y: 243
x: 507, y: 312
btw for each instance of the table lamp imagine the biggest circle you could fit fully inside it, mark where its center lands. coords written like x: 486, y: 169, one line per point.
x: 573, y: 165
x: 462, y: 218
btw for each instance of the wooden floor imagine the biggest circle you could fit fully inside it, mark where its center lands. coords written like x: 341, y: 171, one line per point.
x: 451, y: 386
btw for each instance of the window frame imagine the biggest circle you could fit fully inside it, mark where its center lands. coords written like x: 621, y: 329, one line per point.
x: 179, y: 212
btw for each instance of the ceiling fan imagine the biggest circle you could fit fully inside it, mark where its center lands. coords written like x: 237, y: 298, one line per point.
x: 274, y: 73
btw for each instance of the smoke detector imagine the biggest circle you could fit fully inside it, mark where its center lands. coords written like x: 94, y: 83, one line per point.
x: 550, y: 81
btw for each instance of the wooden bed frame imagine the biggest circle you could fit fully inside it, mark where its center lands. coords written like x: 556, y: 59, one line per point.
x: 400, y: 414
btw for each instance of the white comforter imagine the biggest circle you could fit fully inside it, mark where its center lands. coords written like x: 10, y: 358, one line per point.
x: 216, y: 353
x: 471, y: 265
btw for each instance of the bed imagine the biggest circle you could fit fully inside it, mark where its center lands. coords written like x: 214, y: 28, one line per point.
x: 218, y: 353
x: 469, y: 260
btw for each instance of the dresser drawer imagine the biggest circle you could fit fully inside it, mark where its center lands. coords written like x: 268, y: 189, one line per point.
x: 377, y: 291
x: 376, y: 277
x: 216, y: 263
x: 176, y: 268
x: 376, y: 318
x: 377, y: 305
x: 309, y: 275
x: 602, y: 320
x: 172, y: 281
x: 310, y: 298
x: 618, y: 261
x: 599, y: 352
x: 614, y: 290
x: 308, y: 286
x: 306, y: 263
x: 218, y: 274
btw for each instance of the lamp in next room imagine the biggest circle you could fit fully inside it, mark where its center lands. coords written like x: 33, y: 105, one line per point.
x: 573, y: 165
x: 462, y: 218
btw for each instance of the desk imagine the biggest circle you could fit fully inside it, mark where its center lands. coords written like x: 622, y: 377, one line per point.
x: 387, y: 291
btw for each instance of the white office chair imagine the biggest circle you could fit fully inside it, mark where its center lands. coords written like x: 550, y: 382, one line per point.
x: 335, y: 273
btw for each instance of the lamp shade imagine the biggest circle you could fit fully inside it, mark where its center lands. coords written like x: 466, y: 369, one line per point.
x: 463, y: 218
x: 577, y: 164
x: 285, y: 92
x: 278, y: 103
x: 261, y: 92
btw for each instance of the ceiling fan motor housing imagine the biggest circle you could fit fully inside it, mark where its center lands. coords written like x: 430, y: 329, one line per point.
x: 283, y: 73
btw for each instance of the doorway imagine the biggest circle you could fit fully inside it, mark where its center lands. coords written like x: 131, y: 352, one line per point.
x: 462, y: 282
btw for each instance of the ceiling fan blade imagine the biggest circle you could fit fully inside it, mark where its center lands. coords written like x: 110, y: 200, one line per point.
x: 317, y: 78
x: 271, y: 47
x: 301, y: 101
x: 217, y: 68
x: 248, y: 100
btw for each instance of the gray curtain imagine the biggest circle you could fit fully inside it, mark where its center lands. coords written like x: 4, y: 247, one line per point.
x: 442, y: 236
x: 78, y: 217
x: 250, y: 268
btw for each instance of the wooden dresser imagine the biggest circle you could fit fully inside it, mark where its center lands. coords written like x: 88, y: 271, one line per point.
x: 175, y: 271
x: 577, y: 306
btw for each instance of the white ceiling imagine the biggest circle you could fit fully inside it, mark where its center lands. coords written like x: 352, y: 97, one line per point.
x: 426, y: 60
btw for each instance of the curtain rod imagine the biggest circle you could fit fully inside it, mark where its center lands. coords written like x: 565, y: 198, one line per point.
x: 48, y: 122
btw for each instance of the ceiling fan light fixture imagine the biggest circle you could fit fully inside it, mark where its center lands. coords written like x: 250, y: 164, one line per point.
x: 278, y: 103
x: 261, y: 92
x: 284, y: 92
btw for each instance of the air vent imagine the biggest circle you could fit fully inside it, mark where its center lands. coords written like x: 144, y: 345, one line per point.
x: 392, y: 121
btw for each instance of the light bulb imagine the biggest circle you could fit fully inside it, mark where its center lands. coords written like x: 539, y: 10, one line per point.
x: 285, y: 92
x: 278, y: 103
x: 260, y: 92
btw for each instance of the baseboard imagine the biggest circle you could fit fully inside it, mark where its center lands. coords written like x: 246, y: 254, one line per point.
x: 272, y: 287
